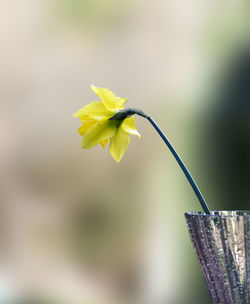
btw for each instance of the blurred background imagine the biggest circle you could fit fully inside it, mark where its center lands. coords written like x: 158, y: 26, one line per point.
x: 76, y: 227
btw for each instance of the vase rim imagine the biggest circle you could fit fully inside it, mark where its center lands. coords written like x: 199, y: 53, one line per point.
x: 220, y: 213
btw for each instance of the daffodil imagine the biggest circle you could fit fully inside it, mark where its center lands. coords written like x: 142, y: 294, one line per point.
x: 100, y: 127
x: 107, y: 121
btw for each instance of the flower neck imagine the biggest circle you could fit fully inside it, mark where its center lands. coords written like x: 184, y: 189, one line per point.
x: 125, y: 113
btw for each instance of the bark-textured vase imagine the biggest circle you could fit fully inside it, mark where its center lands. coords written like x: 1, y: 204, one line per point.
x: 222, y: 243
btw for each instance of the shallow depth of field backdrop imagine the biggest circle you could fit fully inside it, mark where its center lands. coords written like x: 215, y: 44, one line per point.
x: 75, y: 226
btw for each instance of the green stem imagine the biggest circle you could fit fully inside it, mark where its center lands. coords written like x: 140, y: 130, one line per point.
x: 183, y: 167
x: 123, y: 114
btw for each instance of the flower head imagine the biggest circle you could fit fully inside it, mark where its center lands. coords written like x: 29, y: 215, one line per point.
x: 98, y: 127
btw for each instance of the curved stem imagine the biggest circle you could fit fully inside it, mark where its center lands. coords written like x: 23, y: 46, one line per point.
x: 124, y: 113
x: 183, y: 167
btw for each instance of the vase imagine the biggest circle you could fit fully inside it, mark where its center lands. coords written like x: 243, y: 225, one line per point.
x: 222, y: 243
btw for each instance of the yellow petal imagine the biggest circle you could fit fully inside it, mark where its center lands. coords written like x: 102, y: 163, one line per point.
x: 129, y: 126
x: 109, y: 99
x: 98, y: 132
x: 87, y: 119
x: 104, y: 142
x: 94, y: 109
x: 119, y: 144
x: 87, y: 122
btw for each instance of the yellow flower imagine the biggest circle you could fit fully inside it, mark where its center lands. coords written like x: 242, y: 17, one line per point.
x: 97, y: 128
